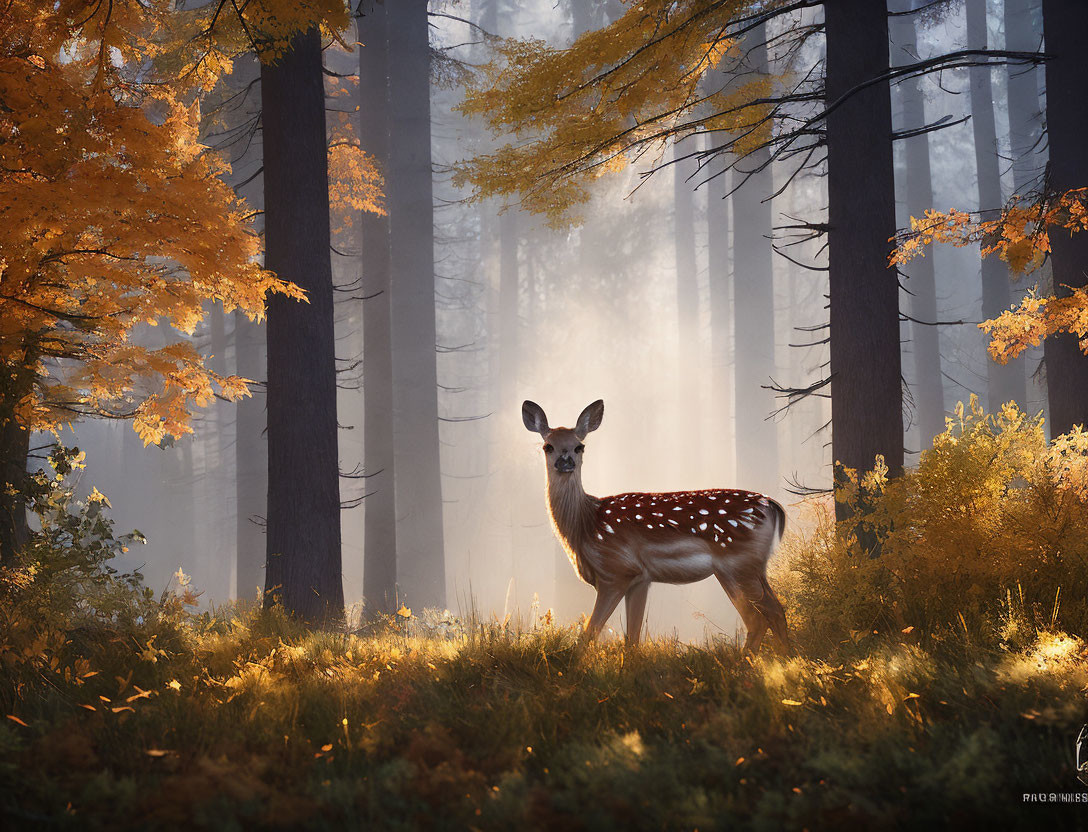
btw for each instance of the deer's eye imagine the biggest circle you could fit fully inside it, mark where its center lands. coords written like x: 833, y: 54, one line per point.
x: 579, y: 449
x: 548, y: 449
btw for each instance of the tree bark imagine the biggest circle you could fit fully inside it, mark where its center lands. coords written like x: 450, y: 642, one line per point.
x: 1065, y: 27
x: 415, y: 384
x: 866, y: 385
x: 251, y: 461
x: 380, y: 506
x: 688, y: 451
x: 929, y: 409
x: 303, y: 543
x: 1004, y: 382
x: 753, y: 313
x: 721, y: 321
x: 14, y: 449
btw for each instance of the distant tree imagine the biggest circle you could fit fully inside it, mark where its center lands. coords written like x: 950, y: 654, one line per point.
x: 1035, y: 227
x: 756, y: 437
x: 380, y: 507
x: 1004, y: 382
x: 420, y: 555
x: 108, y: 219
x: 928, y: 390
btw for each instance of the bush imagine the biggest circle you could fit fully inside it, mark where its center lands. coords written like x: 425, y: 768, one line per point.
x: 988, y: 537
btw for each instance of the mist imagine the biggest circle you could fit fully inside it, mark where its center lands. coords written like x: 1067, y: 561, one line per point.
x: 564, y: 316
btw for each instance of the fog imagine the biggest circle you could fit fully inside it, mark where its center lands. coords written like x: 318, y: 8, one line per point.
x: 596, y: 316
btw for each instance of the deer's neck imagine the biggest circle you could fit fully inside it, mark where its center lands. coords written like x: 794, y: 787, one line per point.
x: 574, y: 516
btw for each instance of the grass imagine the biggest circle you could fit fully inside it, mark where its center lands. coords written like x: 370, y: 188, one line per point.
x: 247, y: 721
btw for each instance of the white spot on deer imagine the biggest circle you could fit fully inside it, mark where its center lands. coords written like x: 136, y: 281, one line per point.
x: 657, y: 514
x: 600, y: 536
x: 638, y: 516
x: 649, y: 525
x: 703, y: 511
x: 718, y: 528
x: 721, y: 511
x: 747, y: 511
x: 676, y: 508
x: 733, y: 523
x: 609, y: 529
x: 702, y: 527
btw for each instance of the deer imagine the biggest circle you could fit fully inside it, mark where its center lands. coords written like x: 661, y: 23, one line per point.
x: 621, y: 544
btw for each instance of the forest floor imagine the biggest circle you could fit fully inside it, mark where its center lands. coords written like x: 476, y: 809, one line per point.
x: 248, y: 721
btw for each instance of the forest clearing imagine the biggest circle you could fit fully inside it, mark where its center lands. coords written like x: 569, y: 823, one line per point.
x: 282, y: 283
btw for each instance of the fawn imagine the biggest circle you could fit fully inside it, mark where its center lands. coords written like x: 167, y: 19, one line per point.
x: 620, y: 545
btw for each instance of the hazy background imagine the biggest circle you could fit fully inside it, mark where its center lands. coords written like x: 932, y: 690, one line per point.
x: 596, y: 318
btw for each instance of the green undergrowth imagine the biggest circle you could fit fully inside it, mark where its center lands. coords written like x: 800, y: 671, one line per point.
x: 936, y: 685
x: 250, y: 722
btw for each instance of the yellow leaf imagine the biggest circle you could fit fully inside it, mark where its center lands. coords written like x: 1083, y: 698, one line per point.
x: 792, y: 702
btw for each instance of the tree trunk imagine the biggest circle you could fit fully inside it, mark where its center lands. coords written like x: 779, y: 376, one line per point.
x: 304, y: 568
x: 753, y: 313
x: 687, y: 452
x: 1025, y: 116
x: 866, y: 386
x: 415, y: 384
x: 1023, y: 33
x: 1065, y: 27
x: 380, y: 506
x: 921, y: 278
x: 251, y: 461
x: 1005, y: 382
x: 14, y: 449
x: 721, y: 328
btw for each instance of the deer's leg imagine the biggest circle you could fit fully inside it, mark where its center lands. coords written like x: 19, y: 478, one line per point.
x: 608, y: 598
x: 771, y: 608
x: 636, y: 610
x: 754, y: 621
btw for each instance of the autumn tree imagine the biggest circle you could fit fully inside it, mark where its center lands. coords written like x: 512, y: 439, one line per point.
x: 112, y: 216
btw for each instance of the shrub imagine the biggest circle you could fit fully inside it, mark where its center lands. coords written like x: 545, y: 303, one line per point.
x: 988, y: 537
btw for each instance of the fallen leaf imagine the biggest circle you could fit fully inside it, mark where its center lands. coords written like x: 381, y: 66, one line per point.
x: 16, y: 719
x: 792, y: 702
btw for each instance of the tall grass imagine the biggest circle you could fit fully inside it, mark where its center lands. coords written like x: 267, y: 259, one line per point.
x: 915, y: 703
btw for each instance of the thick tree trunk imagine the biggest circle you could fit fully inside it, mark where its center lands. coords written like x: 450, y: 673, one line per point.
x: 1065, y: 27
x: 753, y: 313
x: 251, y: 461
x: 721, y: 323
x: 866, y: 386
x: 380, y: 506
x: 415, y: 385
x: 14, y: 449
x: 1005, y: 382
x: 921, y: 279
x: 304, y: 568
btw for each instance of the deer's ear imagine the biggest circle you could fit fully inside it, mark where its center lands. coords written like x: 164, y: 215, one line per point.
x: 533, y: 416
x: 590, y: 419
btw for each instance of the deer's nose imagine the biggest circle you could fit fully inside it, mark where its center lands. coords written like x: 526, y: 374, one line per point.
x: 564, y: 465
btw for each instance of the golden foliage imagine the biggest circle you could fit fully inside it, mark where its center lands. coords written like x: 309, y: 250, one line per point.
x: 1020, y: 236
x: 112, y: 215
x: 616, y: 94
x: 991, y: 508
